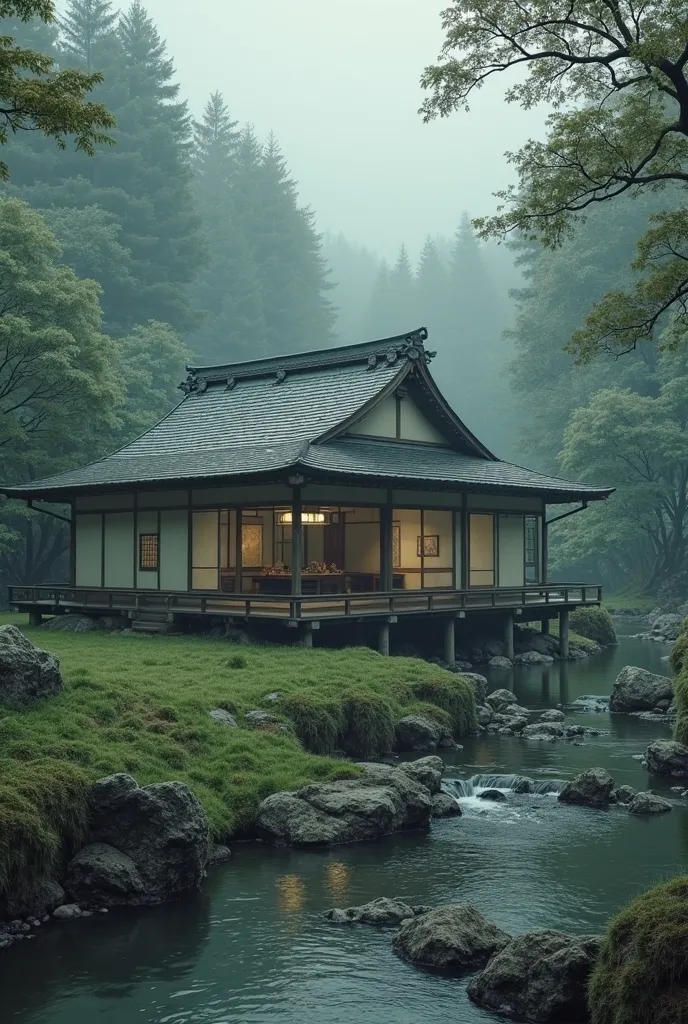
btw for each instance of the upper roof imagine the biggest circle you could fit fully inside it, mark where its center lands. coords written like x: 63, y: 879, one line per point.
x: 268, y: 417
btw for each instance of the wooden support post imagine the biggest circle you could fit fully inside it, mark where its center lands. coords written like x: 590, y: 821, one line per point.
x: 564, y: 634
x: 383, y: 639
x: 545, y: 548
x: 238, y: 550
x: 307, y: 634
x: 509, y: 637
x: 296, y: 546
x: 545, y: 627
x: 450, y: 641
x: 35, y: 618
x: 386, y: 547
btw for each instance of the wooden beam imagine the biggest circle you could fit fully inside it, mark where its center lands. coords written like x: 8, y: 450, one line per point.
x: 238, y: 550
x: 296, y: 541
x: 509, y: 637
x: 450, y: 641
x: 387, y: 545
x: 564, y: 634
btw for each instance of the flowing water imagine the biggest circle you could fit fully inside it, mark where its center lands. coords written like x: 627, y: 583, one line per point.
x: 254, y: 945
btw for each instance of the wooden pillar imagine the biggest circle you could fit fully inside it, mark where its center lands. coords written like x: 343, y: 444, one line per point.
x: 383, y: 638
x: 564, y: 634
x: 545, y: 627
x: 450, y: 641
x: 238, y: 550
x: 35, y: 618
x: 545, y: 549
x: 307, y: 634
x: 296, y: 546
x: 386, y: 546
x: 72, y: 546
x: 465, y: 577
x: 509, y: 637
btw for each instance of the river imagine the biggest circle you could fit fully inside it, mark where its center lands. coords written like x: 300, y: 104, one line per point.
x: 254, y: 945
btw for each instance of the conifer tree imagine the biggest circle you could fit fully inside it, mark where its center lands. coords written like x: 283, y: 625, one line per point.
x: 380, y: 304
x: 86, y: 29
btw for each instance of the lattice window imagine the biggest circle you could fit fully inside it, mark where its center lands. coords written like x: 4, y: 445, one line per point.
x: 149, y: 551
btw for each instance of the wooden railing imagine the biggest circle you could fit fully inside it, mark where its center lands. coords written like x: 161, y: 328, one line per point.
x: 541, y: 598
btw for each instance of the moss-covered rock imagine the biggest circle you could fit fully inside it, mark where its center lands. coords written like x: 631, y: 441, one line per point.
x: 594, y: 624
x: 679, y: 654
x: 642, y: 972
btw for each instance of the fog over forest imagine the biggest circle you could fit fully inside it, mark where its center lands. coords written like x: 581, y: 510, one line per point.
x: 274, y: 188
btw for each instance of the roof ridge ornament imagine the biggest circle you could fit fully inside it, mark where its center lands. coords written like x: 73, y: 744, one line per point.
x: 191, y: 384
x: 280, y: 376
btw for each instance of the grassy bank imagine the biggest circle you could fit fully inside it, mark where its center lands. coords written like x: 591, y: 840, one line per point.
x: 140, y: 705
x: 636, y: 604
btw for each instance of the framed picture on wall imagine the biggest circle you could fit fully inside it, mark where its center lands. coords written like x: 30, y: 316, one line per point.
x: 396, y: 546
x: 252, y: 544
x: 429, y: 546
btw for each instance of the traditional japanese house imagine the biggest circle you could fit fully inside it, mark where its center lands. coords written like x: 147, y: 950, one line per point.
x: 329, y: 485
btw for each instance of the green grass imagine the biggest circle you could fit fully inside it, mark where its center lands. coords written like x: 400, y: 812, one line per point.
x: 140, y: 705
x: 638, y: 603
x: 642, y: 973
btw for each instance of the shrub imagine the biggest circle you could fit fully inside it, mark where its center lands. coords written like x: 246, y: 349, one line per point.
x: 679, y: 654
x: 642, y: 973
x: 317, y: 722
x: 681, y: 698
x: 43, y: 814
x: 455, y: 695
x: 594, y: 623
x: 368, y: 724
x: 237, y: 661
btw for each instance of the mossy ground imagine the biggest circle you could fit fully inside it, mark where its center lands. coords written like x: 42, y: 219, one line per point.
x: 140, y: 705
x: 642, y: 973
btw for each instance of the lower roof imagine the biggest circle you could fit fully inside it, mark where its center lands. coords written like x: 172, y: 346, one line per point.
x: 346, y: 459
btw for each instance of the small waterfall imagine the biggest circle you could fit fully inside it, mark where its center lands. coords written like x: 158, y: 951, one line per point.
x: 507, y: 783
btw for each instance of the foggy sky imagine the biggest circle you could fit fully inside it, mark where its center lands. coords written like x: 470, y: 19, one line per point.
x: 338, y: 83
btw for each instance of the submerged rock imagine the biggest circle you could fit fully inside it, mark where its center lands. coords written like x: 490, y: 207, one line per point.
x: 552, y: 716
x: 544, y: 729
x: 495, y: 795
x: 417, y: 732
x: 540, y: 976
x: 667, y: 757
x: 162, y: 828
x: 383, y: 912
x: 101, y: 874
x: 636, y: 689
x: 592, y: 788
x: 455, y: 938
x: 445, y: 806
x: 623, y: 795
x: 382, y: 800
x: 533, y: 658
x: 26, y: 672
x: 499, y: 699
x: 648, y: 803
x: 499, y: 661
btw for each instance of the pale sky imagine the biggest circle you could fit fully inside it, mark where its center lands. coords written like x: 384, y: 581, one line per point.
x: 338, y: 83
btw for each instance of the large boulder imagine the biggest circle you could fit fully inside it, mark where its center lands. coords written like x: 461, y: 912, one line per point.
x: 592, y: 788
x: 636, y: 689
x: 479, y: 684
x: 552, y: 716
x: 417, y: 732
x: 499, y: 661
x: 667, y: 757
x: 648, y: 803
x: 454, y: 938
x: 445, y: 806
x: 667, y: 627
x: 539, y: 976
x: 383, y: 912
x: 26, y: 672
x: 533, y: 658
x: 427, y: 771
x: 105, y: 876
x: 382, y: 800
x: 162, y: 828
x: 544, y: 729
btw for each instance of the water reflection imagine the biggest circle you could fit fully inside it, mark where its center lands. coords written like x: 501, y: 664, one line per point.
x: 338, y: 882
x: 291, y: 893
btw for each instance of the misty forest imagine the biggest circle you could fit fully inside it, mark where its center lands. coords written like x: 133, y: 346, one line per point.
x: 188, y: 240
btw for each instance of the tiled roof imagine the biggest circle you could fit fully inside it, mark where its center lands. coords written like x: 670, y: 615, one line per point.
x: 267, y: 416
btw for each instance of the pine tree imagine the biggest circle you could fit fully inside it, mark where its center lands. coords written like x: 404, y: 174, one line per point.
x: 215, y: 143
x: 380, y: 304
x: 86, y: 29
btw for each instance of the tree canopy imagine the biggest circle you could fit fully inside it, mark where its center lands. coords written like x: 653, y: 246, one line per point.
x: 615, y: 74
x: 37, y: 96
